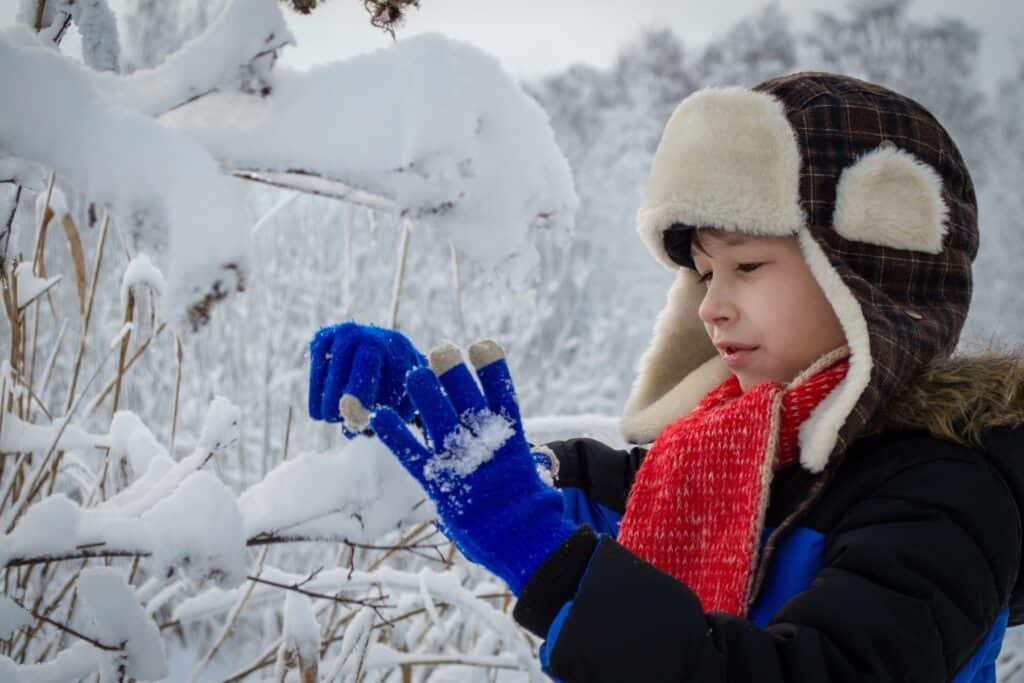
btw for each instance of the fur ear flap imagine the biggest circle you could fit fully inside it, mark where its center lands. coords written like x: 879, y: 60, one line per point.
x: 890, y: 198
x: 728, y: 158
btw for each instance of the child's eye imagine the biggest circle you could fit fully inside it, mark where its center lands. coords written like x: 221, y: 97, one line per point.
x: 744, y: 267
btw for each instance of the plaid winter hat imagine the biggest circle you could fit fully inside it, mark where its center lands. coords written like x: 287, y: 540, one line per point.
x: 882, y: 205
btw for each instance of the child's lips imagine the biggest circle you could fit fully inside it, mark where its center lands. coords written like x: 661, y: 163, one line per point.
x: 736, y: 357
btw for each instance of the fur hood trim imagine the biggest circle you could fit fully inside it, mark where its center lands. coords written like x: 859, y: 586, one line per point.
x: 958, y: 398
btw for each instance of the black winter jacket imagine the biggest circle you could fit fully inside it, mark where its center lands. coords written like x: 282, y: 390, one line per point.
x: 902, y: 567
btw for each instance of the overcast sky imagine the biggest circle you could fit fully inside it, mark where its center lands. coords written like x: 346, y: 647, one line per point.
x: 532, y: 37
x: 535, y: 36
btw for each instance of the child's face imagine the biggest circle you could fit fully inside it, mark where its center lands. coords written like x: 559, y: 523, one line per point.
x: 761, y: 294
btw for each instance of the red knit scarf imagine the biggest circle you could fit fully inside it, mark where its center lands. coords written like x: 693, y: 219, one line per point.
x: 696, y: 509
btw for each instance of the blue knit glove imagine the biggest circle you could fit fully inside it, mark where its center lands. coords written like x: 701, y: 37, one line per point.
x: 476, y: 465
x: 355, y: 368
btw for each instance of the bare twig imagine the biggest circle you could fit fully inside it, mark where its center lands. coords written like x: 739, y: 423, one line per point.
x: 52, y: 607
x: 78, y: 555
x: 415, y: 549
x: 68, y: 629
x: 297, y: 587
x: 311, y: 182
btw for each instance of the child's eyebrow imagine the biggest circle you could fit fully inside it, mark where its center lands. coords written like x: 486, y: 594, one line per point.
x: 734, y: 239
x: 729, y: 239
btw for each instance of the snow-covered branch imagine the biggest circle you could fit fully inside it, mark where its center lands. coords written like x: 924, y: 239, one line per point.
x: 435, y: 142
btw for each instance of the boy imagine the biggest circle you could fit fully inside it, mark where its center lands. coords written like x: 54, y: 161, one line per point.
x: 829, y: 496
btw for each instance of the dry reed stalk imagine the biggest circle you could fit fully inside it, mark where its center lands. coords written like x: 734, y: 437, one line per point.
x: 37, y: 483
x: 177, y: 390
x: 67, y: 619
x: 40, y: 236
x: 83, y: 340
x: 39, y: 269
x: 129, y: 319
x: 396, y: 292
x: 134, y: 569
x: 100, y: 397
x: 13, y: 486
x: 32, y: 395
x: 52, y: 360
x: 332, y: 624
x: 77, y: 257
x: 9, y: 291
x: 32, y: 363
x: 405, y: 540
x: 233, y: 615
x: 3, y: 411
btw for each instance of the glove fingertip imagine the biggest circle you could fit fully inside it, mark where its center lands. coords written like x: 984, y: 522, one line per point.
x: 485, y: 352
x: 444, y: 357
x: 353, y: 412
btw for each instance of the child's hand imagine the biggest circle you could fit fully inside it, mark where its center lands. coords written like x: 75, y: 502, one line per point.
x: 476, y: 465
x: 356, y: 368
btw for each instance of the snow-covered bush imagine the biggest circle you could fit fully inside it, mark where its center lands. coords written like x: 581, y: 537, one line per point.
x: 153, y: 527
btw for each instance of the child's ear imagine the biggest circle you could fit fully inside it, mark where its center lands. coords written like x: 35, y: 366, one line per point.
x: 891, y: 198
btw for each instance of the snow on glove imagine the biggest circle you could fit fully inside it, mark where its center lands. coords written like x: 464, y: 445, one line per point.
x: 476, y: 465
x: 355, y: 368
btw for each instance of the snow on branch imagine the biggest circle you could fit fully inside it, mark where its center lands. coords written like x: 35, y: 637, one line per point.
x: 182, y: 519
x: 433, y: 126
x: 117, y: 617
x: 356, y: 495
x: 185, y: 522
x: 236, y: 51
x: 162, y: 188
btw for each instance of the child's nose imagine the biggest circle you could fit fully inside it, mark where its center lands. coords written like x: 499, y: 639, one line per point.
x: 717, y: 307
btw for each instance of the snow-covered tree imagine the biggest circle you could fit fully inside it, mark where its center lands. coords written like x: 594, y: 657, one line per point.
x: 756, y: 48
x: 933, y: 62
x: 151, y: 266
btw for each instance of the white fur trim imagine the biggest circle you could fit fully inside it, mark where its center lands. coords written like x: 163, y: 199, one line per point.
x: 819, y: 432
x: 892, y: 199
x: 664, y: 389
x: 728, y: 158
